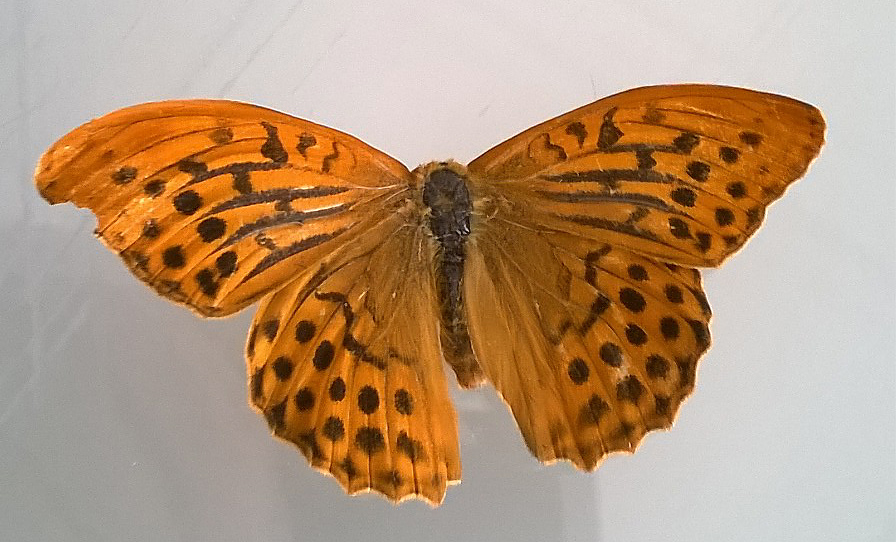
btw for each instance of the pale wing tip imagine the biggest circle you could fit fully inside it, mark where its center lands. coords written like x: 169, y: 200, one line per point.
x: 53, y: 175
x: 45, y: 175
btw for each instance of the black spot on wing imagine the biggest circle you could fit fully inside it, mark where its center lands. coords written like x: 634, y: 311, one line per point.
x: 187, y: 202
x: 174, y: 257
x: 593, y: 410
x: 192, y: 166
x: 283, y: 367
x: 323, y: 355
x: 729, y: 155
x: 151, y: 229
x: 211, y: 228
x: 699, y: 171
x: 411, y: 448
x: 304, y: 399
x: 368, y: 400
x: 154, y: 188
x: 686, y: 142
x: 272, y: 148
x: 305, y: 331
x: 333, y: 429
x: 657, y: 366
x: 124, y: 175
x: 226, y: 263
x: 751, y: 138
x: 578, y: 130
x: 609, y: 132
x: 369, y: 440
x: 306, y: 141
x: 611, y: 354
x: 404, y: 402
x: 337, y: 390
x: 221, y: 136
x: 645, y: 158
x: 578, y: 371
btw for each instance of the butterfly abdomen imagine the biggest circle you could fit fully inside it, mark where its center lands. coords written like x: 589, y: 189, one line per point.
x: 449, y: 206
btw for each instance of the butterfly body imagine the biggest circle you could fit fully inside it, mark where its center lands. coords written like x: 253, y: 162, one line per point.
x: 560, y: 266
x: 449, y: 207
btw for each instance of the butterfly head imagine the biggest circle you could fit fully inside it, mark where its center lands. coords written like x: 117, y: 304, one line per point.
x: 446, y: 196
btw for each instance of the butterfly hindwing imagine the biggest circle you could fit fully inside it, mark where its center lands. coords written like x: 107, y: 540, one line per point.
x: 680, y: 173
x: 345, y: 363
x: 214, y: 203
x: 590, y: 347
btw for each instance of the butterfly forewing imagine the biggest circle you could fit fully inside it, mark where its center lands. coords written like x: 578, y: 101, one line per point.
x: 589, y: 318
x: 345, y: 363
x: 215, y: 203
x: 679, y: 173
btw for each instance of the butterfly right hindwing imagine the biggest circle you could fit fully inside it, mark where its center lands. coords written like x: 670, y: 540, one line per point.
x: 590, y: 347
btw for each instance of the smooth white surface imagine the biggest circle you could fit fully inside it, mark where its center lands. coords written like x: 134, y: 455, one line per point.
x: 123, y: 417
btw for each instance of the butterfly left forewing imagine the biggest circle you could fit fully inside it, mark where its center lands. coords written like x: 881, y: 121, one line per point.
x: 214, y: 203
x: 345, y: 363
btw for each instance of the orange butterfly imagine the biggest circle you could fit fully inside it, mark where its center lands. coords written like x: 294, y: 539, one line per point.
x: 559, y: 266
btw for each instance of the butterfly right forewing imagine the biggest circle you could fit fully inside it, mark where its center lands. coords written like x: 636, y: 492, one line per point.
x: 681, y: 173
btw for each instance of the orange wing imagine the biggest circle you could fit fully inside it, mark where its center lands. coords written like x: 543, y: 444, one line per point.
x: 587, y: 317
x: 345, y: 362
x: 680, y: 173
x: 215, y: 203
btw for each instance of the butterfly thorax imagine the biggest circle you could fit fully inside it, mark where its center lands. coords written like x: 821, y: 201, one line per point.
x: 449, y: 206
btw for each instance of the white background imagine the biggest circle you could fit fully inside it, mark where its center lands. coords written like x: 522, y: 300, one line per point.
x: 123, y: 417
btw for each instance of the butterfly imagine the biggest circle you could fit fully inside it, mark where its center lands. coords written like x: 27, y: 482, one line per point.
x: 560, y: 266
